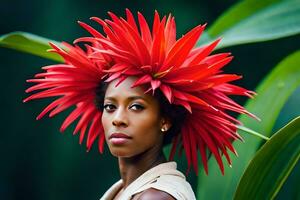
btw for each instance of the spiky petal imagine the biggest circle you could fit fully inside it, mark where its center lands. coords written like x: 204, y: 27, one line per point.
x: 74, y: 83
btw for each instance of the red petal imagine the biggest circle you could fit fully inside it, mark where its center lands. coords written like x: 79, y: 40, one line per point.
x: 145, y: 31
x: 203, y: 53
x: 174, y: 145
x: 130, y: 20
x: 211, y: 145
x: 167, y: 92
x: 188, y: 97
x: 94, y: 130
x: 170, y: 32
x: 183, y: 103
x: 182, y: 48
x: 101, y: 141
x: 73, y: 116
x: 144, y: 79
x: 156, y: 24
x: 113, y: 77
x: 84, y: 120
x: 202, y: 148
x: 91, y: 30
x: 158, y: 52
x: 155, y: 84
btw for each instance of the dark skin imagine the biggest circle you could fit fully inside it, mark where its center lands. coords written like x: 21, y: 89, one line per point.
x: 130, y: 112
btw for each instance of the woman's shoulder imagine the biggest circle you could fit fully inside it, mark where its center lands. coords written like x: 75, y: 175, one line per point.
x: 175, y: 185
x: 152, y: 193
x: 172, y: 185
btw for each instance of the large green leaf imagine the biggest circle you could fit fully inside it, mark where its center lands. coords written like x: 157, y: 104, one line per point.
x: 29, y: 43
x: 273, y: 92
x: 271, y: 165
x: 237, y: 13
x: 255, y: 21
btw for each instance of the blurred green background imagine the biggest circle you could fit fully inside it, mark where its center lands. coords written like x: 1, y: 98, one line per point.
x: 37, y: 162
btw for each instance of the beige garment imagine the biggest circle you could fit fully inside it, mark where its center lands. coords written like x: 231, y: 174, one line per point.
x: 164, y: 177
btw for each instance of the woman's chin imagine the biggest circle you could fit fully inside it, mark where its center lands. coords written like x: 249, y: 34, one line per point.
x: 118, y: 152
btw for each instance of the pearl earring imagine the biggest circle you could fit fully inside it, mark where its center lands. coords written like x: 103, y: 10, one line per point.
x: 163, y: 129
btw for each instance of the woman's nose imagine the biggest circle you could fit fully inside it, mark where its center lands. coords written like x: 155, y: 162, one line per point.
x: 120, y: 118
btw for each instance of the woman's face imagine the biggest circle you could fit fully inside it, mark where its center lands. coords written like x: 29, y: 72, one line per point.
x: 131, y: 120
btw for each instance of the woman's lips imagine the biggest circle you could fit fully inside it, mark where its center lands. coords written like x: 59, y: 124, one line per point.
x: 119, y: 138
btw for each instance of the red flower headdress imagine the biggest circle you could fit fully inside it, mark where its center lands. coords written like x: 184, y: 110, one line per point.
x: 187, y: 76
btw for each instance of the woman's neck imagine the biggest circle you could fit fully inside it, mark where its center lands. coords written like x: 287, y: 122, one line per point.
x: 131, y: 168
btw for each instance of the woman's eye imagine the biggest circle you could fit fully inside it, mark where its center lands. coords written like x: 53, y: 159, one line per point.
x: 109, y: 107
x: 136, y: 107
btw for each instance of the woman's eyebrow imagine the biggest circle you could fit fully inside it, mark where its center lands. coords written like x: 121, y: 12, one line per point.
x: 112, y: 98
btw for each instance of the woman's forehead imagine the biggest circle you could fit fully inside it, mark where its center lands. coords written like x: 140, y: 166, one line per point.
x: 125, y: 90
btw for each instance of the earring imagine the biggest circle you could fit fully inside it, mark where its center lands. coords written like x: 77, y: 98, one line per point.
x: 163, y: 129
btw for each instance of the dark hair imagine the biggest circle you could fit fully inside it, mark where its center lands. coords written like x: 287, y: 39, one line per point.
x: 175, y: 113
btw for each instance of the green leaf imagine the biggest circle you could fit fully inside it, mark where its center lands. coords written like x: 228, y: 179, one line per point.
x: 256, y: 21
x: 271, y: 165
x: 237, y: 13
x: 273, y: 92
x: 30, y: 43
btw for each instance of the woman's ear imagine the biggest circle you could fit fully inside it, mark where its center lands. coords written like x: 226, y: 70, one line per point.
x: 165, y: 124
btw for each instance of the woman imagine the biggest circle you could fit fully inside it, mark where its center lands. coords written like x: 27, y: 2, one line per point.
x: 135, y: 126
x: 160, y: 89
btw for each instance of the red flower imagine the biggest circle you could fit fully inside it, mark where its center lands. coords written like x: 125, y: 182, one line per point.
x: 75, y: 83
x: 187, y: 76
